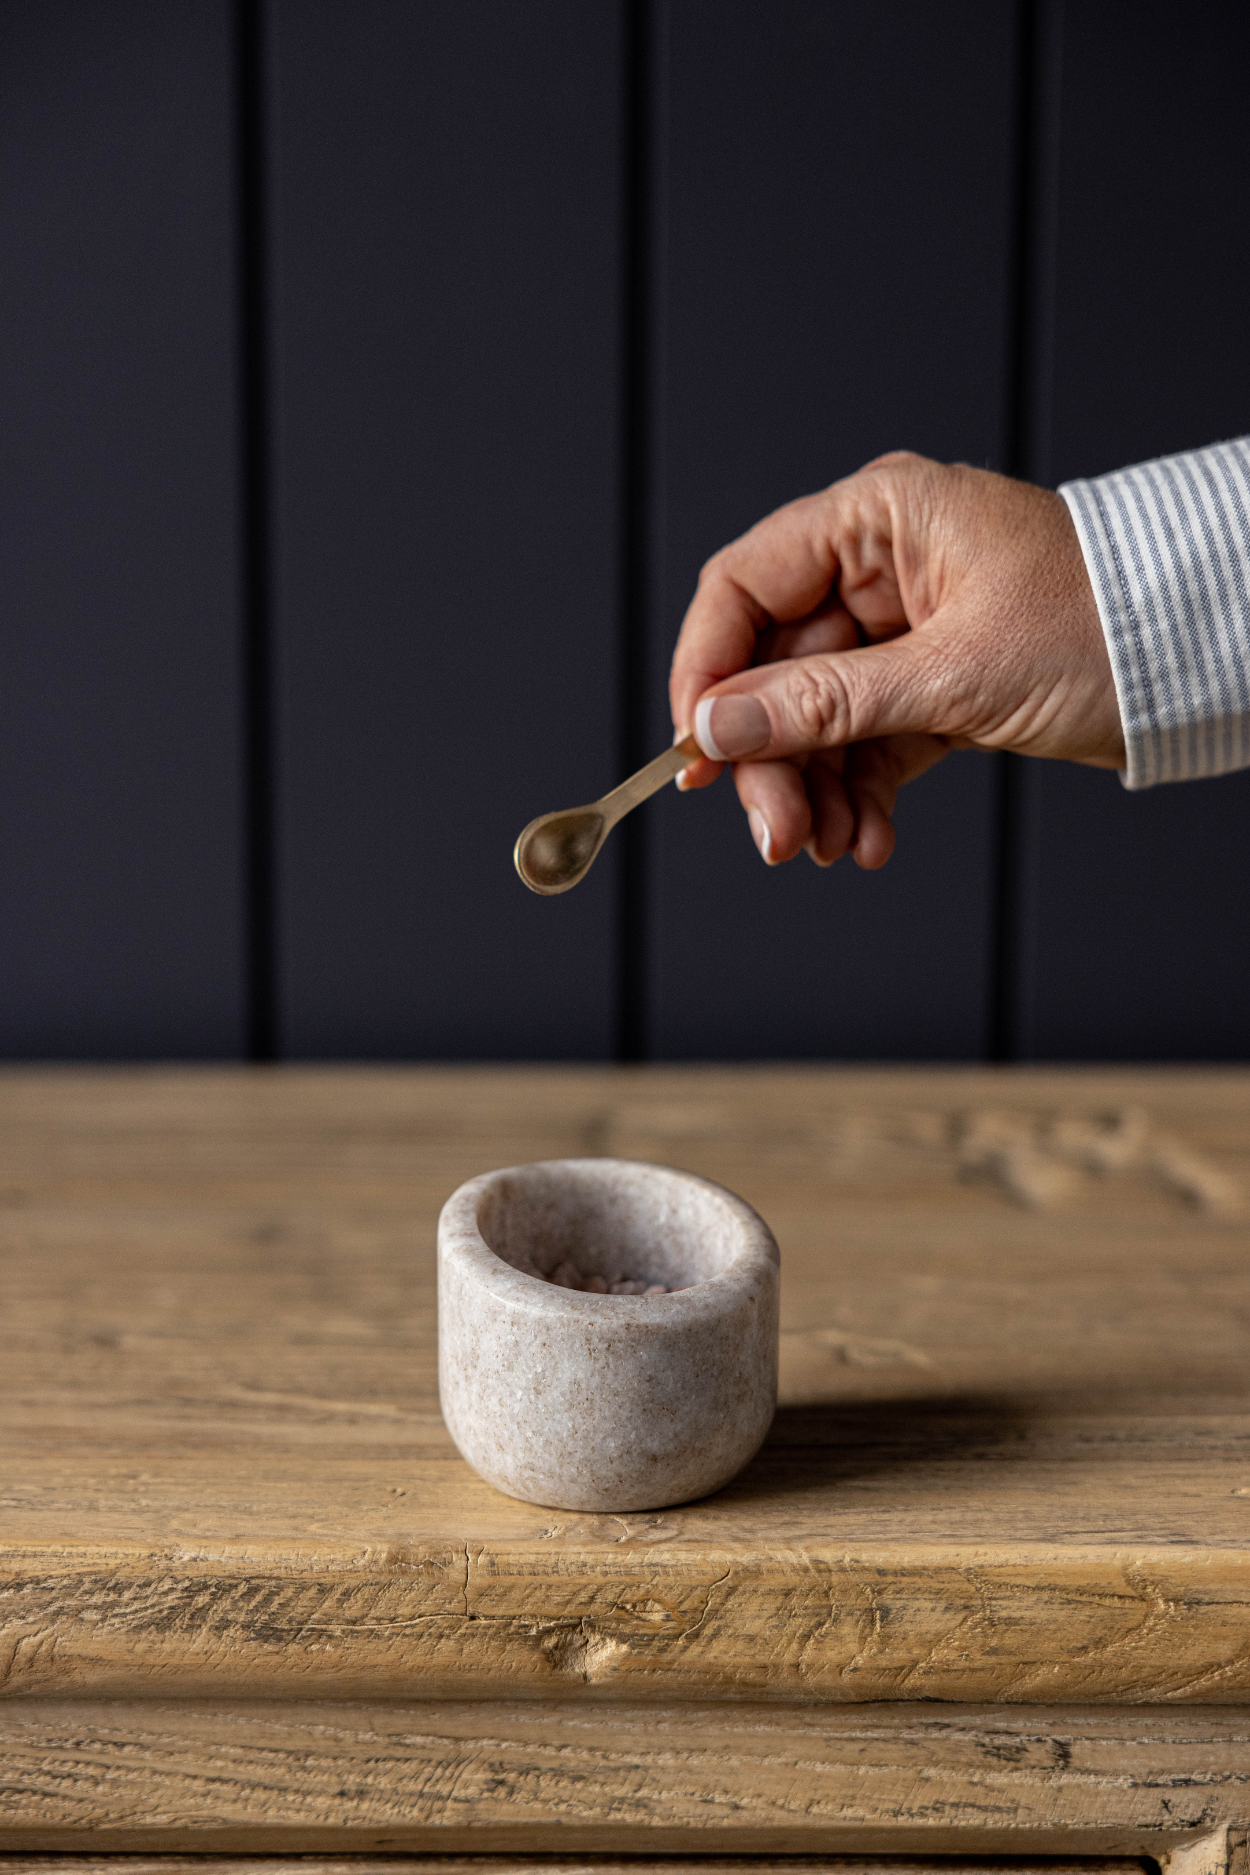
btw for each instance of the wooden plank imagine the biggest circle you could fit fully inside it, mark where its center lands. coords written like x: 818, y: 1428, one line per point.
x: 1120, y: 888
x: 356, y: 1864
x: 447, y: 332
x: 1012, y: 1458
x: 121, y: 814
x: 279, y: 1619
x: 251, y: 1779
x: 825, y: 292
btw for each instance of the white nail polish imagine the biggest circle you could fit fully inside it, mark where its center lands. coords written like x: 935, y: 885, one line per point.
x: 703, y: 729
x: 761, y: 834
x: 680, y: 782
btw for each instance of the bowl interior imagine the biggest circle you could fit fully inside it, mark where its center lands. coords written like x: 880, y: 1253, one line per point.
x: 614, y: 1221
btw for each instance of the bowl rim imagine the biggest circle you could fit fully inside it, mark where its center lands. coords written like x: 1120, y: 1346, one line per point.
x: 459, y: 1236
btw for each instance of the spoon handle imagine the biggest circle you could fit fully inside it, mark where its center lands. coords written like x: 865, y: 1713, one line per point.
x: 649, y: 780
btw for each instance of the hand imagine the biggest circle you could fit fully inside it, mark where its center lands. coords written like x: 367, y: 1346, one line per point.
x: 850, y: 639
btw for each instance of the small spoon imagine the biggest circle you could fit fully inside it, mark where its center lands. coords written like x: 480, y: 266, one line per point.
x: 557, y: 850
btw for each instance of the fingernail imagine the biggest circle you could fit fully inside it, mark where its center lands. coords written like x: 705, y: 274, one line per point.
x: 809, y: 847
x: 680, y: 782
x: 727, y: 728
x: 760, y: 834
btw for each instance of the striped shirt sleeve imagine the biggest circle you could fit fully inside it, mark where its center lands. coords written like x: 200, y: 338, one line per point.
x: 1167, y: 545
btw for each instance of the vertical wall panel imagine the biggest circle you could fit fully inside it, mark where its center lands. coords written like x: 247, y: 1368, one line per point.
x: 1137, y: 917
x: 448, y: 217
x: 121, y: 822
x: 835, y: 185
x: 1137, y: 904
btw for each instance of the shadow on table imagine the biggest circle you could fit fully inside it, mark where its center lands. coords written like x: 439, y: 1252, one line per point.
x: 813, y: 1447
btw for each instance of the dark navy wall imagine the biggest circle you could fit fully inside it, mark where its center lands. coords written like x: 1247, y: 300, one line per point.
x: 1135, y: 906
x: 447, y: 306
x: 374, y: 379
x: 122, y: 904
x: 834, y: 192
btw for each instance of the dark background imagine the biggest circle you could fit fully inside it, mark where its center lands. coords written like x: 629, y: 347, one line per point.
x: 375, y: 377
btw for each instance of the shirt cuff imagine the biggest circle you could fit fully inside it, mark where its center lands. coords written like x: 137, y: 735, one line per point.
x: 1167, y: 547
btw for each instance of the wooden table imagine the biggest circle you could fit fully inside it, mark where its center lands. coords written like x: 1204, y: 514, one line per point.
x: 985, y: 1591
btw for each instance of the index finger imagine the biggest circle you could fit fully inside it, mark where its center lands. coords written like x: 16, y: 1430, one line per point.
x: 778, y: 572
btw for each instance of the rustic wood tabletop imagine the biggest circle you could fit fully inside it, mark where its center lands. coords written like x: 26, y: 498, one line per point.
x: 1010, y: 1470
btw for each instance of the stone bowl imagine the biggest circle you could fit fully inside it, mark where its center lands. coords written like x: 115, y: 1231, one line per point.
x: 605, y: 1402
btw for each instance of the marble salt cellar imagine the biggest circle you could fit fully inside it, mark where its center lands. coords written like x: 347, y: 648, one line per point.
x: 605, y: 1402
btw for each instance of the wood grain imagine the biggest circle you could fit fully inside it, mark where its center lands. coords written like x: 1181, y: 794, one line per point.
x: 1012, y: 1459
x: 399, y: 1864
x: 152, y: 1775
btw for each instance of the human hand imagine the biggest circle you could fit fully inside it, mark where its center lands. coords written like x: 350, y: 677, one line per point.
x: 849, y: 640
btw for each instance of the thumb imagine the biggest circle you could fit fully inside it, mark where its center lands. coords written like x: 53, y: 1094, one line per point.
x: 822, y: 702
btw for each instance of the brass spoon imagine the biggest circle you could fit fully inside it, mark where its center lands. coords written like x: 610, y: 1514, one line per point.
x: 557, y: 850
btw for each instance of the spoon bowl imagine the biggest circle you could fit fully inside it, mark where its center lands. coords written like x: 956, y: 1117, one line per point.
x: 557, y: 850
